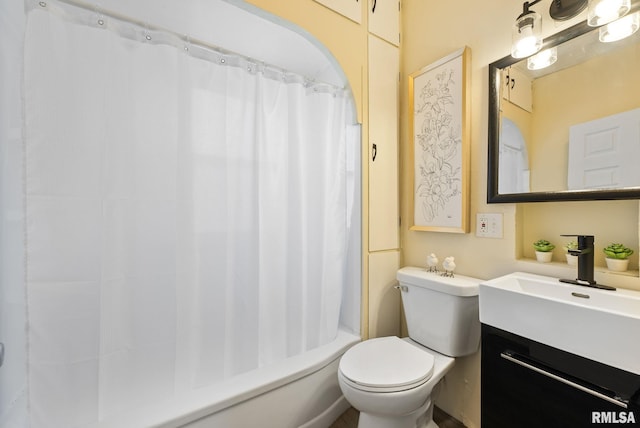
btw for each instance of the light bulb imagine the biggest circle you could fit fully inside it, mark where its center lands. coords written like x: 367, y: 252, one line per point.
x: 526, y: 35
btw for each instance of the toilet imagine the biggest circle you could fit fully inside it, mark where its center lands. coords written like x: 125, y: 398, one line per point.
x: 393, y: 381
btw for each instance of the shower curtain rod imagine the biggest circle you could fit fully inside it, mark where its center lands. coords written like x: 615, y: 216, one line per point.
x: 187, y: 40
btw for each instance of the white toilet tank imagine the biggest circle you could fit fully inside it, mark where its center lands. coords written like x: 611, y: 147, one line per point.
x: 441, y: 312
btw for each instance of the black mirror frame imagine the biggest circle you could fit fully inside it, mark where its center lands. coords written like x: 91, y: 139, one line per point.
x: 493, y: 197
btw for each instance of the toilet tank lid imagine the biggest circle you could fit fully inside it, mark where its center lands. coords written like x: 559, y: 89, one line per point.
x: 458, y: 285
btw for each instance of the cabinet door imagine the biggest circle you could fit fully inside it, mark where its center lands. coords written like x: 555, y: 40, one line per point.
x: 384, y: 19
x: 383, y: 145
x: 520, y: 89
x: 384, y: 299
x: 527, y: 384
x: 506, y: 83
x: 352, y: 9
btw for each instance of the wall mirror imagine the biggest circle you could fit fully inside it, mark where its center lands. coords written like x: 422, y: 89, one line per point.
x: 570, y: 131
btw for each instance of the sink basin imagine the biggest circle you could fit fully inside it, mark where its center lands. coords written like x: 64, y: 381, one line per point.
x: 601, y: 325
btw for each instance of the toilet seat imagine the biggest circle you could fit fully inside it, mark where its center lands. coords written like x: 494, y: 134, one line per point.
x: 386, y: 364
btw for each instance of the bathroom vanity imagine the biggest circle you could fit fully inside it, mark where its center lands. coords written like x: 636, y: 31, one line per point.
x: 558, y: 355
x: 528, y: 384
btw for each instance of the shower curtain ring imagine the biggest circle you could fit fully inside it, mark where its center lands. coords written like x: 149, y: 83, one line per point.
x: 147, y: 33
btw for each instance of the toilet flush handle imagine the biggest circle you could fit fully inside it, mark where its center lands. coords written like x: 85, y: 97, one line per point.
x: 403, y: 288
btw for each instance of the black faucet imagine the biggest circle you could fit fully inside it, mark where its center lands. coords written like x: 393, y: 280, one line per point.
x: 585, y: 263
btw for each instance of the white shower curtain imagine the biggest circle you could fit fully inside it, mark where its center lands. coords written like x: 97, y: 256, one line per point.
x: 186, y: 216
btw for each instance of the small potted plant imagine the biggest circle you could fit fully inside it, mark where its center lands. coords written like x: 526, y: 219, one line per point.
x: 617, y: 257
x: 544, y: 250
x: 572, y: 259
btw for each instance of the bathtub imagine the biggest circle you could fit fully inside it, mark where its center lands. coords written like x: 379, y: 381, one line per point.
x: 301, y: 391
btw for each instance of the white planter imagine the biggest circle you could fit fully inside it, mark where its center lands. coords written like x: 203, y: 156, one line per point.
x: 571, y: 259
x: 617, y: 265
x: 544, y: 257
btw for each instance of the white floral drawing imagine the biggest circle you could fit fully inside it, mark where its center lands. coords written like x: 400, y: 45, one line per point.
x: 438, y: 144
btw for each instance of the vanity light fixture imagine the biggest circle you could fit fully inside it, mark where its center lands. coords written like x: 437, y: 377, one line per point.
x: 527, y: 31
x: 618, y: 30
x: 602, y: 12
x: 542, y: 59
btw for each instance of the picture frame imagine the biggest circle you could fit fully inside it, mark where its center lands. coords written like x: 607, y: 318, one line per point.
x: 440, y: 144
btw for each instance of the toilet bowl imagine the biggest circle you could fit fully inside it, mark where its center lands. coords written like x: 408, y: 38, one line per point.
x: 394, y: 386
x: 393, y: 381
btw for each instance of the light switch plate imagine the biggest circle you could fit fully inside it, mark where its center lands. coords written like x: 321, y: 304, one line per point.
x: 489, y: 225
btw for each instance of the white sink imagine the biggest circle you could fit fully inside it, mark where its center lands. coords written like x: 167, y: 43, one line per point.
x: 601, y: 325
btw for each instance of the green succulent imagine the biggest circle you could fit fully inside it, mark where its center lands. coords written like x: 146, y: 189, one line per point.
x: 572, y: 245
x: 617, y: 251
x: 543, y: 245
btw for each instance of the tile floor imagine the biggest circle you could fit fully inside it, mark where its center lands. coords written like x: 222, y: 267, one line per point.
x: 349, y: 419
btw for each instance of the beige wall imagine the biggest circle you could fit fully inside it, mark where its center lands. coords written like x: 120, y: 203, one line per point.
x: 432, y: 29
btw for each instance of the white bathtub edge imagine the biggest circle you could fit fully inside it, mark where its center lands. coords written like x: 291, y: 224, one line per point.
x: 204, y: 401
x: 329, y: 416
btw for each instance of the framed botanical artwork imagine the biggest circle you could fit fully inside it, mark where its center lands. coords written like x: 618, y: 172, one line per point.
x: 440, y: 125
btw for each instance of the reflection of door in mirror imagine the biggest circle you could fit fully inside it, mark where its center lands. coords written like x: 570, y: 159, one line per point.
x: 513, y: 173
x: 604, y: 153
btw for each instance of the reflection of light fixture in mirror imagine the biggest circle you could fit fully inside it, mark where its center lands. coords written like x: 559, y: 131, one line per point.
x: 604, y: 11
x: 542, y: 59
x: 527, y: 32
x: 618, y: 30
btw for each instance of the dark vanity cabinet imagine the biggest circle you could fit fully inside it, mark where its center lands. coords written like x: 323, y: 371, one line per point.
x: 526, y: 384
